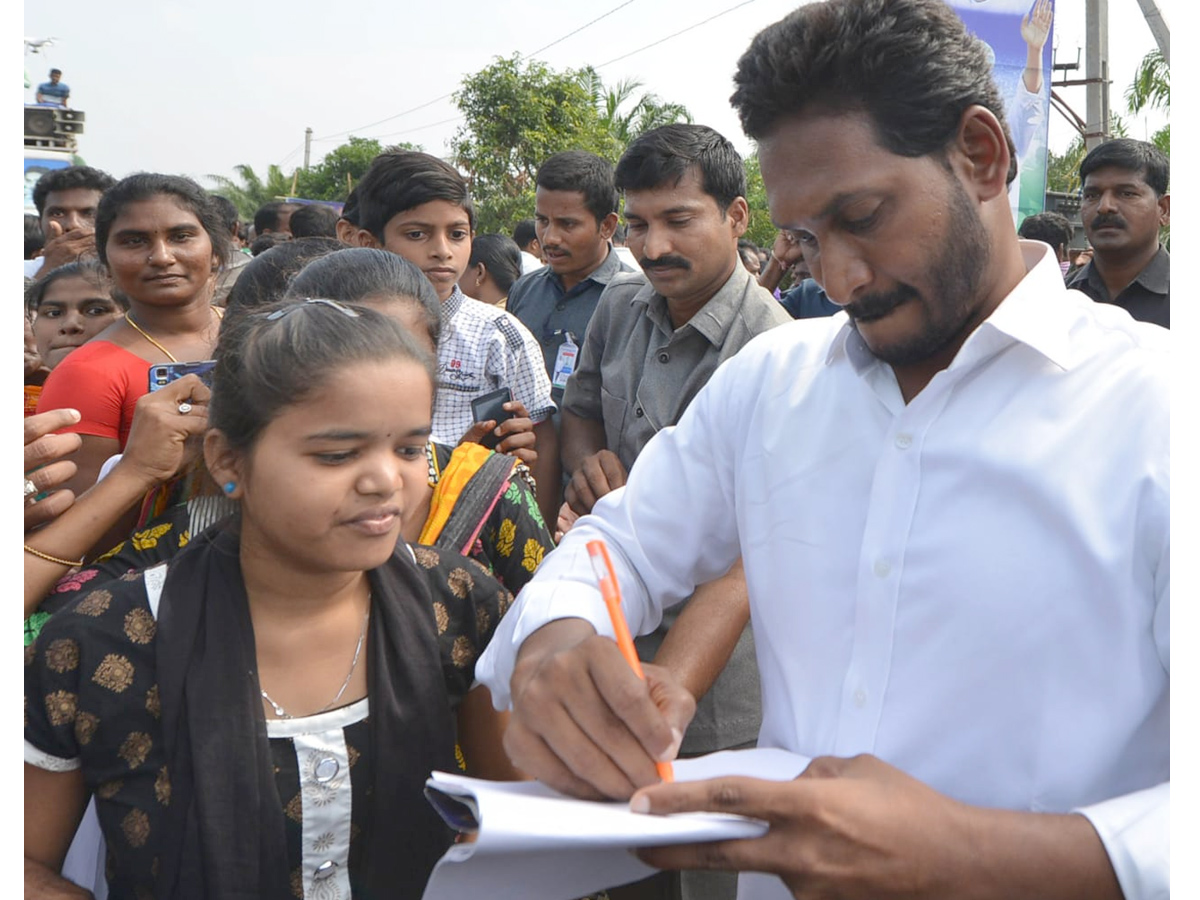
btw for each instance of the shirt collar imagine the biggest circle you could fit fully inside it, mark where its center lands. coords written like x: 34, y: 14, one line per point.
x: 1154, y: 277
x: 602, y: 274
x: 453, y: 302
x: 714, y: 318
x: 1034, y: 313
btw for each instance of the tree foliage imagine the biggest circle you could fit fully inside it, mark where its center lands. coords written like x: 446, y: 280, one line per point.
x: 340, y: 169
x: 1151, y: 86
x: 519, y: 111
x: 249, y: 191
x: 760, y: 230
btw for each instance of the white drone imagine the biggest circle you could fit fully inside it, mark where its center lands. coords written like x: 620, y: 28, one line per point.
x: 35, y: 45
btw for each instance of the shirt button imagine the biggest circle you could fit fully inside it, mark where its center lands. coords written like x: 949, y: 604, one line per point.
x: 326, y: 769
x: 324, y: 870
x: 664, y: 357
x: 904, y: 441
x: 561, y: 307
x: 882, y: 568
x: 639, y: 412
x: 860, y: 698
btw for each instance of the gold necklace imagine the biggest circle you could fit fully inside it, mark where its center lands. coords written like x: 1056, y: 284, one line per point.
x: 134, y: 325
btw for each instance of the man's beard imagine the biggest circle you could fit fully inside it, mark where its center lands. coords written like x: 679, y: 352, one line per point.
x: 955, y: 275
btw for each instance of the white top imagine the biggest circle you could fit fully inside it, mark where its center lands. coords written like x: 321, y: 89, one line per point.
x: 973, y: 587
x: 529, y: 262
x: 482, y: 348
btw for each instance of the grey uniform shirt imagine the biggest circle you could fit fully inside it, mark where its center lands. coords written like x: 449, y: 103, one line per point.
x: 549, y: 311
x: 637, y: 373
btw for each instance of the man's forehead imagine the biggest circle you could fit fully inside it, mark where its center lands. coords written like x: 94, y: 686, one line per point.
x: 687, y: 193
x: 1115, y: 175
x: 73, y: 198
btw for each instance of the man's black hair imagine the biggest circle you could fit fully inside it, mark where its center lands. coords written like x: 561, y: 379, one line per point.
x: 313, y: 220
x: 660, y: 158
x: 227, y: 211
x: 1136, y: 156
x: 68, y: 179
x: 910, y: 65
x: 35, y: 240
x: 524, y: 233
x: 56, y: 71
x: 1049, y: 227
x: 267, y: 217
x: 584, y: 173
x: 401, y: 180
x: 350, y: 207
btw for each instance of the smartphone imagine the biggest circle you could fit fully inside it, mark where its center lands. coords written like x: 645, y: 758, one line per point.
x: 491, y: 406
x: 163, y: 374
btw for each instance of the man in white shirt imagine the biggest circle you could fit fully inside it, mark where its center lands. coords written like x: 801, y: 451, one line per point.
x: 951, y: 501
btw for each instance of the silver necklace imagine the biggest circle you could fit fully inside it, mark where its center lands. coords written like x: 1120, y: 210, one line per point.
x: 281, y: 713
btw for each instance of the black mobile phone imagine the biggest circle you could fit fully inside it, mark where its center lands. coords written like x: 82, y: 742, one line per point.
x: 163, y: 374
x: 491, y: 406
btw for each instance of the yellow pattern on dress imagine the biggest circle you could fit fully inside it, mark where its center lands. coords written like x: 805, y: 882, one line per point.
x: 145, y: 540
x: 533, y: 555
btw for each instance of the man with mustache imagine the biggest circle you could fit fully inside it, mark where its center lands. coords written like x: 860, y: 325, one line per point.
x: 951, y: 503
x: 653, y: 342
x: 1125, y: 203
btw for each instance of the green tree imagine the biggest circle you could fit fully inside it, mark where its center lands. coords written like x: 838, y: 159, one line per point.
x: 250, y: 192
x: 626, y: 122
x: 517, y: 113
x: 1151, y: 86
x: 761, y: 230
x: 341, y: 168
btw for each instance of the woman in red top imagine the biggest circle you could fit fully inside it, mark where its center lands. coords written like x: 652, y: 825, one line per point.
x: 162, y: 242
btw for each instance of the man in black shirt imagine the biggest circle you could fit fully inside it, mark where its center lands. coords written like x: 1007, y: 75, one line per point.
x: 1125, y: 203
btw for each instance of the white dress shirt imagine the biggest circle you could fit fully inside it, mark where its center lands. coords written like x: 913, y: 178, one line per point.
x: 974, y: 586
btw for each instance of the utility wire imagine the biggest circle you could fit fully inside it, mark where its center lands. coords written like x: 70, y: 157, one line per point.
x: 580, y: 28
x: 414, y: 109
x: 677, y: 33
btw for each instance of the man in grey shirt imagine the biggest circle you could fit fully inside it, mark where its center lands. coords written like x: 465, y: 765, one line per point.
x: 653, y: 342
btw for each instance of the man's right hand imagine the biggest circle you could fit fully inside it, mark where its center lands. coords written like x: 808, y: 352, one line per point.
x: 583, y: 722
x: 596, y: 476
x: 65, y: 247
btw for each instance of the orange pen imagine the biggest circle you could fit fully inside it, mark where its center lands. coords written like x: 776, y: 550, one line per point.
x: 606, y: 575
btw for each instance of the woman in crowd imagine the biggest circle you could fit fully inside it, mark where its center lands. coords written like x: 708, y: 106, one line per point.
x: 476, y: 502
x: 275, y: 638
x: 67, y: 308
x: 161, y: 241
x: 494, y: 265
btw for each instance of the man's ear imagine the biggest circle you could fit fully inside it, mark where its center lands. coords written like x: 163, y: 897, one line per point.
x: 226, y: 465
x: 366, y: 239
x: 1164, y: 211
x: 608, y: 226
x: 739, y: 215
x: 980, y: 153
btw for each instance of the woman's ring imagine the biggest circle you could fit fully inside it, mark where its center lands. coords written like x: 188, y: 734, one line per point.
x: 30, y: 490
x: 185, y: 408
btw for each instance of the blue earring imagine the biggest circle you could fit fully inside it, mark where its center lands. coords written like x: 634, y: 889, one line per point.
x: 229, y: 487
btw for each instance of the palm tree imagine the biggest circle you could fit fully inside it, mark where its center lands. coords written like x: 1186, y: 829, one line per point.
x: 1151, y: 87
x: 252, y: 192
x: 625, y: 122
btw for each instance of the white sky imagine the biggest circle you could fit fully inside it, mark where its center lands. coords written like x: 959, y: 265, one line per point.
x: 179, y: 88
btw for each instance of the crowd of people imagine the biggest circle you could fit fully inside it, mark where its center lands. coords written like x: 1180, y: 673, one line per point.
x: 308, y: 499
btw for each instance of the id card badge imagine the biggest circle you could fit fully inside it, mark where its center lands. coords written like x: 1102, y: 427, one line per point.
x: 564, y: 363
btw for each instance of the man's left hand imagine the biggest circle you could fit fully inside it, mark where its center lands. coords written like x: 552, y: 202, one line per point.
x: 861, y: 829
x: 845, y: 828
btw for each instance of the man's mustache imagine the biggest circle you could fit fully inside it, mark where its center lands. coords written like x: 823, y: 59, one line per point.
x: 1108, y: 222
x: 875, y: 305
x: 665, y: 262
